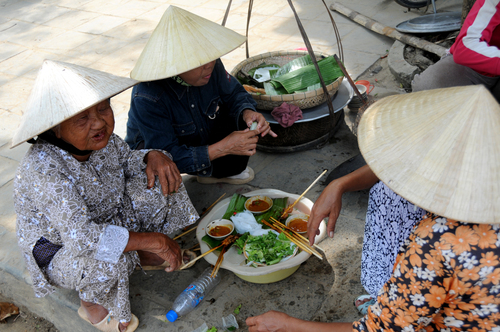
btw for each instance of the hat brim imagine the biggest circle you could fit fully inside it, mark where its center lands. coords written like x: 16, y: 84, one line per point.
x: 439, y: 149
x: 61, y: 91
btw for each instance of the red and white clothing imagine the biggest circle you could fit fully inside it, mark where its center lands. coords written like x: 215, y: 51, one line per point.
x: 475, y: 55
x: 478, y: 44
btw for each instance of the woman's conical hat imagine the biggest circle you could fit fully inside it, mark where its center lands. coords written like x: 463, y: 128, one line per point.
x: 439, y: 149
x: 62, y: 90
x: 183, y: 41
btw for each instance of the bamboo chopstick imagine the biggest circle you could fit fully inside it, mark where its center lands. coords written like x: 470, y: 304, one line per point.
x: 295, y: 234
x: 298, y: 242
x: 298, y: 234
x: 192, y: 229
x: 290, y: 207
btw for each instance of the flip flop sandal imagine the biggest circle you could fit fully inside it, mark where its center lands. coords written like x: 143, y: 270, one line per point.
x: 109, y: 324
x: 363, y: 308
x: 184, y: 252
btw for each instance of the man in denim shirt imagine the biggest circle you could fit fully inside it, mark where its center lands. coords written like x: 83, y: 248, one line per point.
x: 200, y: 114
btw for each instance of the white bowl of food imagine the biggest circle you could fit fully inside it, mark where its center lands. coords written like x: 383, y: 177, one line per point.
x: 259, y: 204
x: 298, y: 222
x: 220, y: 228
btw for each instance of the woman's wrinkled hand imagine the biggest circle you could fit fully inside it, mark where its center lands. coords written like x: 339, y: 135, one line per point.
x: 168, y: 250
x: 263, y: 126
x: 328, y: 204
x: 158, y: 164
x: 271, y: 321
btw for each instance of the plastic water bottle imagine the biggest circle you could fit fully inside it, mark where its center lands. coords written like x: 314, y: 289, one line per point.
x: 193, y: 295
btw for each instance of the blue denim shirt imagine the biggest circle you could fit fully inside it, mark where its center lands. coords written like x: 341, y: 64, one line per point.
x: 181, y: 119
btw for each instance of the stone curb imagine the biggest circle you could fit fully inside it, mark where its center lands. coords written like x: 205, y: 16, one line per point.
x: 401, y: 69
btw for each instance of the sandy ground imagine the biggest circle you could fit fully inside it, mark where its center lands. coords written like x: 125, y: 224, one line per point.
x: 25, y: 321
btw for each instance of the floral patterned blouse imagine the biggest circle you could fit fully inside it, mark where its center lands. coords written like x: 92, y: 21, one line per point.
x: 88, y: 207
x: 446, y: 278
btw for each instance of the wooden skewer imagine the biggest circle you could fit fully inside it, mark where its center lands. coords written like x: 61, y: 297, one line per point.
x: 219, y: 262
x: 297, y: 234
x: 299, y: 243
x: 296, y: 241
x: 195, y: 227
x: 304, y: 243
x: 290, y: 207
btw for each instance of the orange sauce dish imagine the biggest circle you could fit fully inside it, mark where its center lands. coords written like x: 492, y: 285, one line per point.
x: 220, y: 231
x: 258, y: 205
x: 298, y: 225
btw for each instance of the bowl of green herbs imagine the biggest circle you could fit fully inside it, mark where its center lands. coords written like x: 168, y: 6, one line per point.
x: 267, y: 249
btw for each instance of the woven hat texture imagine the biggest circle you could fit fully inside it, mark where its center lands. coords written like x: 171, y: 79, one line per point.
x: 62, y: 90
x: 439, y: 149
x: 183, y: 41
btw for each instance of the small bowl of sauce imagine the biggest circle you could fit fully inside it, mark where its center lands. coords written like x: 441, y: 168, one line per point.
x: 219, y: 228
x: 258, y: 204
x: 298, y: 222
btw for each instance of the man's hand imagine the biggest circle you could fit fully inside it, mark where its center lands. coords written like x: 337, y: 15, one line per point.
x: 158, y: 164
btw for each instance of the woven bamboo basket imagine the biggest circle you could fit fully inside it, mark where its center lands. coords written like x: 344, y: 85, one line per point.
x: 303, y: 100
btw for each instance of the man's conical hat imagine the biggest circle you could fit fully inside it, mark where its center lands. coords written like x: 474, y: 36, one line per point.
x: 62, y: 90
x: 439, y: 149
x: 183, y: 41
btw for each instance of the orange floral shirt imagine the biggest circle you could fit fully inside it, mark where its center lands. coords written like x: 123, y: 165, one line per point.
x: 447, y: 278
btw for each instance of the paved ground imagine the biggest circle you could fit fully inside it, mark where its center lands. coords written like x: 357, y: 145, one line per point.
x: 109, y: 36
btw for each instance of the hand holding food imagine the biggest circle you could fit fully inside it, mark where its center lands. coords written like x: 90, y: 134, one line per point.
x: 241, y: 143
x: 263, y: 126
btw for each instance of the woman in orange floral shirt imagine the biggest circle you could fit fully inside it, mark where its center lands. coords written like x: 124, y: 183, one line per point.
x: 447, y: 275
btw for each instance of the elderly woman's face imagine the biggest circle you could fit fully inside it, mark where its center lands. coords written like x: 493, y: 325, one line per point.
x: 199, y: 76
x: 89, y: 130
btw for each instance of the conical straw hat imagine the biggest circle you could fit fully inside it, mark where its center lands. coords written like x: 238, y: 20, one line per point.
x: 183, y: 41
x: 439, y: 149
x: 62, y: 90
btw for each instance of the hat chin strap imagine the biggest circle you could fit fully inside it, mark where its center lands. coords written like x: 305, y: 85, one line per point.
x: 51, y: 138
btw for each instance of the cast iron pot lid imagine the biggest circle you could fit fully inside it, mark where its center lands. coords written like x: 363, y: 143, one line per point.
x: 440, y: 22
x: 339, y: 101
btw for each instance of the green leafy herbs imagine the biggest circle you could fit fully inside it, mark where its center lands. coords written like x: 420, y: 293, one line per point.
x: 212, y: 329
x: 232, y: 328
x: 268, y: 249
x: 237, y: 310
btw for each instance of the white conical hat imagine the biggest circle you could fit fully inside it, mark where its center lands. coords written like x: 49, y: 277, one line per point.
x: 183, y: 41
x: 439, y: 149
x: 62, y: 90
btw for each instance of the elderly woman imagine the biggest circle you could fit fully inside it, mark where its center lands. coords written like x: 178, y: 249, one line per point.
x: 187, y: 104
x: 447, y: 276
x: 88, y: 208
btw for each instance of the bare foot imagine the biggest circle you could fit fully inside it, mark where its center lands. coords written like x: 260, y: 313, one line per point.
x: 96, y: 313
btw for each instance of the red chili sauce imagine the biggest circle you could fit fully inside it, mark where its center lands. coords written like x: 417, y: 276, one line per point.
x: 298, y: 225
x: 220, y: 231
x: 258, y: 206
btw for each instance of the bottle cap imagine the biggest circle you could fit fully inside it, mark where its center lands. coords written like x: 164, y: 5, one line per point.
x: 172, y: 316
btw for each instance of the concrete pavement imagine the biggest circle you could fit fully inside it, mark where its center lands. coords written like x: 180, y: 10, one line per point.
x: 109, y: 36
